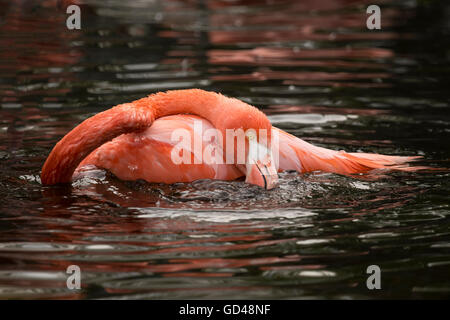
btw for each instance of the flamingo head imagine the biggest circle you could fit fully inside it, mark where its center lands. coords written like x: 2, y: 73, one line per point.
x: 250, y: 124
x: 260, y: 165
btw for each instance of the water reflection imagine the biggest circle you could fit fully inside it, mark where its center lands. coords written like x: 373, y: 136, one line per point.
x: 311, y: 66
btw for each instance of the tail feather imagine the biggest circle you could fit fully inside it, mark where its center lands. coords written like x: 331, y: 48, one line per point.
x: 296, y: 154
x: 384, y: 159
x: 381, y: 161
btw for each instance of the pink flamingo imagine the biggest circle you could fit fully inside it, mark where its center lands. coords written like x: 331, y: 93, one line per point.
x: 134, y: 141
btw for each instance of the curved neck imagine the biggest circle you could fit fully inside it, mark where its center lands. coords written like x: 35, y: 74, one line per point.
x: 89, y: 135
x: 211, y: 106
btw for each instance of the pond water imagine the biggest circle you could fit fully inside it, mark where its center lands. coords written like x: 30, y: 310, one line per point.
x: 313, y: 67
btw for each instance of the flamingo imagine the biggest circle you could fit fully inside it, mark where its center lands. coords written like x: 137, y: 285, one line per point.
x: 134, y: 141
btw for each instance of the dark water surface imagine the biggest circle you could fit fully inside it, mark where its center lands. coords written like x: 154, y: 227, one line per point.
x: 313, y: 67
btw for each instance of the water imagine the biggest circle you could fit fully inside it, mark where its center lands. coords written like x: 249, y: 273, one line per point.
x: 313, y: 67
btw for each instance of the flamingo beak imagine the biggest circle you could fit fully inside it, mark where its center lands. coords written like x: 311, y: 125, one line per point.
x: 261, y: 169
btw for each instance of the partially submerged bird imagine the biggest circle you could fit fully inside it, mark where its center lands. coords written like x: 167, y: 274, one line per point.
x: 136, y: 141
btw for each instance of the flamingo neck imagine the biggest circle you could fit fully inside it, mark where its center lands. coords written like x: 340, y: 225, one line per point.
x: 211, y: 106
x: 89, y: 135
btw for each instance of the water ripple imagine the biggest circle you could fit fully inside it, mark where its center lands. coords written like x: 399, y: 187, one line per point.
x: 318, y: 73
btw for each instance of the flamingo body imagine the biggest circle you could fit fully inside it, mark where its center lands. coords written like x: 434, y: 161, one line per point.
x: 135, y: 141
x: 147, y: 155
